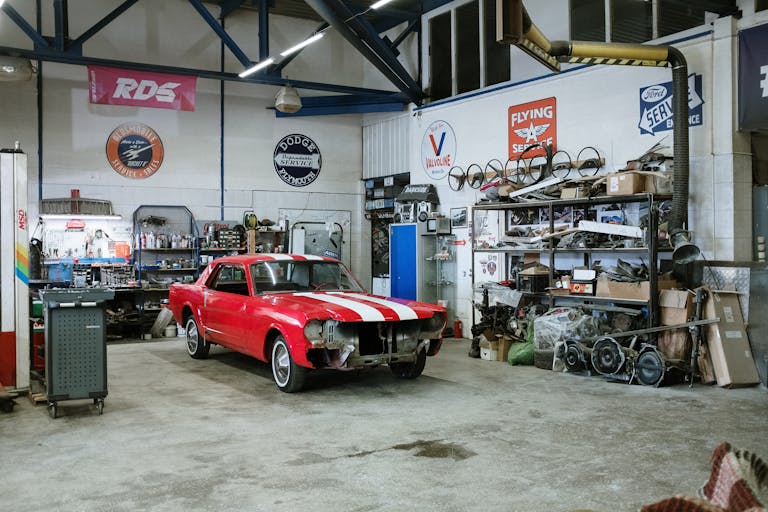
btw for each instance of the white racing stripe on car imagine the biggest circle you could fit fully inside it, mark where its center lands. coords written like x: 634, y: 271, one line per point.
x: 313, y: 257
x: 403, y: 311
x: 367, y: 313
x: 281, y: 257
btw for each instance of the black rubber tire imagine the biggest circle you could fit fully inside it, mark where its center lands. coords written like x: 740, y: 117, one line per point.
x: 197, y: 347
x: 288, y: 376
x: 410, y: 370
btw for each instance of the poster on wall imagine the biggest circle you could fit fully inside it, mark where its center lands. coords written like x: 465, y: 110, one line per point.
x: 113, y: 86
x: 438, y: 150
x: 134, y: 150
x: 532, y: 123
x: 656, y: 106
x: 753, y: 78
x: 297, y: 160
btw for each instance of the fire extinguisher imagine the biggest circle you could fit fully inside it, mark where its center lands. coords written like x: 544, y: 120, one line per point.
x: 457, y: 325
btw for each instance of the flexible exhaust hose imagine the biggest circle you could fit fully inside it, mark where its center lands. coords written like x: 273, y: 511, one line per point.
x: 678, y: 219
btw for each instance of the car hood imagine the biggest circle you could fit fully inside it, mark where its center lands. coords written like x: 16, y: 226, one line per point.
x: 355, y: 307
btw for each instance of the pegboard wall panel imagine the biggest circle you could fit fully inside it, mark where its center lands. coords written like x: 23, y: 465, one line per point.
x: 77, y: 352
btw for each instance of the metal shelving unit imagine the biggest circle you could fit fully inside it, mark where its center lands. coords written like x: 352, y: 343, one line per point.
x: 507, y: 254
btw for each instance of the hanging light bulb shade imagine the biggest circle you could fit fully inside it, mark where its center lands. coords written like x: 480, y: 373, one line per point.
x: 15, y: 69
x: 287, y: 100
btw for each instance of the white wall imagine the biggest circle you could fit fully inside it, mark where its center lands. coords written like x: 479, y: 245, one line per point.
x: 172, y: 33
x: 599, y: 106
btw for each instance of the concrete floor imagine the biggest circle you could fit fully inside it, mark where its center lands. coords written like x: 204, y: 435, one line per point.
x: 180, y: 434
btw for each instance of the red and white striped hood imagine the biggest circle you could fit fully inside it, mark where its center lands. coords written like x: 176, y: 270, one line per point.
x: 355, y: 307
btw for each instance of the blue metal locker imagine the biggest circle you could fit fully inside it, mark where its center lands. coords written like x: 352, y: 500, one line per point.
x: 403, y: 261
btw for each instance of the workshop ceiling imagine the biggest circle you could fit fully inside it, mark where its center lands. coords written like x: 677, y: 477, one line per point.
x: 352, y: 19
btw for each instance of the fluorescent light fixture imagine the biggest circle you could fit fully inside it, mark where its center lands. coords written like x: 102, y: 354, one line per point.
x: 380, y: 3
x: 257, y: 67
x: 302, y: 44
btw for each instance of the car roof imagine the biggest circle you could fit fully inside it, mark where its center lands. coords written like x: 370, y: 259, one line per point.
x: 247, y: 259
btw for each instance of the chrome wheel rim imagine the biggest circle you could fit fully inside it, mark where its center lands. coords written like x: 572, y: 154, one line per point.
x: 192, y: 338
x: 281, y: 364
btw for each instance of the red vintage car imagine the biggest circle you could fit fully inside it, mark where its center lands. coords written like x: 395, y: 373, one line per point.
x: 303, y: 312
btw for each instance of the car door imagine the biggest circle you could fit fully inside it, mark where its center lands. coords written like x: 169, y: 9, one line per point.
x: 225, y: 304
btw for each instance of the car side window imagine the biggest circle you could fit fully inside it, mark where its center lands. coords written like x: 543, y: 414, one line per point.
x: 231, y: 279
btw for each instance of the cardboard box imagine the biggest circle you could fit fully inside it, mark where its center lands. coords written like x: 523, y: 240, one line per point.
x: 574, y: 192
x: 728, y: 343
x: 704, y: 365
x: 489, y: 350
x: 634, y: 291
x: 676, y: 306
x: 624, y: 183
x: 503, y: 351
x: 675, y: 344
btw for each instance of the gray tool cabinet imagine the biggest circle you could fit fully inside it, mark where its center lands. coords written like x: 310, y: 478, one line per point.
x: 75, y: 345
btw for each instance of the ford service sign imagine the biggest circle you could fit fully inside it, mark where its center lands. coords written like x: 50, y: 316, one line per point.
x: 656, y: 106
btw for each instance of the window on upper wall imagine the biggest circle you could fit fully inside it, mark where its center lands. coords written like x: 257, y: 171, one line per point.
x: 463, y: 53
x: 440, y: 79
x: 675, y: 17
x: 588, y: 20
x: 638, y: 21
x: 631, y: 21
x: 467, y: 47
x: 496, y: 54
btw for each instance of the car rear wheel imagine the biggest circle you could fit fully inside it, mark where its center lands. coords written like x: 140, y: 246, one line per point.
x: 197, y: 347
x: 410, y: 370
x: 289, y: 377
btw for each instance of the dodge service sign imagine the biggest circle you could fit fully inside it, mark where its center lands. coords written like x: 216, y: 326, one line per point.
x: 438, y: 150
x: 532, y: 123
x: 113, y: 86
x: 297, y: 160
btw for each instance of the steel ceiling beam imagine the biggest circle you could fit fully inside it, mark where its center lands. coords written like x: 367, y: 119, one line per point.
x: 337, y: 105
x: 384, y: 61
x: 277, y: 68
x: 216, y: 27
x: 61, y: 21
x: 19, y: 20
x: 263, y: 30
x: 381, y: 48
x: 51, y: 55
x: 77, y: 44
x: 228, y: 7
x: 410, y: 28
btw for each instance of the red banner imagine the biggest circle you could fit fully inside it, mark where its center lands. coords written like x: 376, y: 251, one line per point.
x: 113, y: 86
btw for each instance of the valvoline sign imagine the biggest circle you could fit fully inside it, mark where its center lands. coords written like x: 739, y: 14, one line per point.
x: 438, y: 150
x: 656, y: 106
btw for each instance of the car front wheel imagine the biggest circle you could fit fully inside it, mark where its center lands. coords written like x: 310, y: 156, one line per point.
x: 288, y: 376
x: 197, y: 347
x: 410, y: 370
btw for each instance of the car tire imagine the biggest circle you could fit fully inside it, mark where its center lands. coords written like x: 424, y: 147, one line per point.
x: 410, y: 370
x: 289, y: 377
x: 197, y: 347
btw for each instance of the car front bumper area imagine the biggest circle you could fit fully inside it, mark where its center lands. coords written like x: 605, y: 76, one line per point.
x: 349, y: 345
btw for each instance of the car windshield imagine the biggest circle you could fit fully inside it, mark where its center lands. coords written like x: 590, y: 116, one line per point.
x: 301, y: 276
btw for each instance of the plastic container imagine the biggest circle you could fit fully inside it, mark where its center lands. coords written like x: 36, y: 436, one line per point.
x: 170, y: 331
